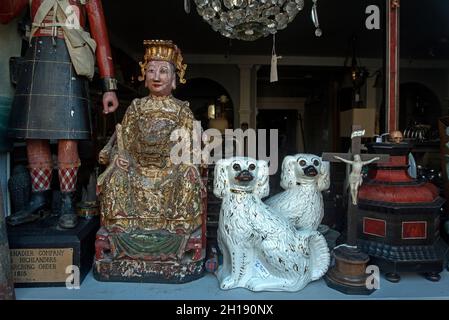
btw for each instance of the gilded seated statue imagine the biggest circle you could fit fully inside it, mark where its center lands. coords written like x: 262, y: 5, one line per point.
x: 152, y: 209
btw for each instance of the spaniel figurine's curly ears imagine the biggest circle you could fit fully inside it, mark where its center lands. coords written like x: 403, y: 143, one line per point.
x: 324, y: 177
x: 221, y: 183
x: 288, y: 175
x: 263, y: 185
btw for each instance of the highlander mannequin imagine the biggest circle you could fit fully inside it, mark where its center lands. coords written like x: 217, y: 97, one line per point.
x: 52, y: 94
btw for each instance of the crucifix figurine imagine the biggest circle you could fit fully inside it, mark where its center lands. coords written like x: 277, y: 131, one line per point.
x: 348, y: 275
x: 357, y: 160
x: 355, y: 177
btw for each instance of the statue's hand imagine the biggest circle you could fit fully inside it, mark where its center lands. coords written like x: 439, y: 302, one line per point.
x: 122, y: 163
x: 103, y: 157
x: 110, y: 102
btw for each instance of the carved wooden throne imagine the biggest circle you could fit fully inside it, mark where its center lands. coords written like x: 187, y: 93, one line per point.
x: 158, y: 256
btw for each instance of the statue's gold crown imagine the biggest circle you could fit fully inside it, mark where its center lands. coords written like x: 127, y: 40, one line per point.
x: 163, y: 50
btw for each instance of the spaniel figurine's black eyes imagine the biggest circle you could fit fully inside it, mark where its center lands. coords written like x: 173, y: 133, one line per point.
x: 316, y: 163
x: 302, y: 163
x: 236, y: 167
x: 252, y: 166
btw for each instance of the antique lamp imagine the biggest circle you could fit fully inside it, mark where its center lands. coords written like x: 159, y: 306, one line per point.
x: 356, y: 75
x: 218, y: 119
x: 252, y: 19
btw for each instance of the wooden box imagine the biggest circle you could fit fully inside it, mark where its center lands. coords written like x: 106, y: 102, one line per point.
x: 364, y: 117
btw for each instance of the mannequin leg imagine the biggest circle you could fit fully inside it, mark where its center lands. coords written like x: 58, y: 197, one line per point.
x: 40, y: 167
x: 68, y: 164
x: 40, y: 164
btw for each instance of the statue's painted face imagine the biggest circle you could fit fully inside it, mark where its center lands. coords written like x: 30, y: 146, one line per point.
x: 160, y: 78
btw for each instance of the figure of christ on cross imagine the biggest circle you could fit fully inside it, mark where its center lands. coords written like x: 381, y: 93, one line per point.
x: 357, y: 160
x: 355, y: 177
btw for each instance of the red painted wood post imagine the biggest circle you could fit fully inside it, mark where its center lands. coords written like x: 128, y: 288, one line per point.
x: 392, y: 65
x: 6, y: 280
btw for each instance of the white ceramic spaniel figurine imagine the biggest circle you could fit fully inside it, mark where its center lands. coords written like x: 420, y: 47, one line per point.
x: 303, y: 177
x: 261, y: 249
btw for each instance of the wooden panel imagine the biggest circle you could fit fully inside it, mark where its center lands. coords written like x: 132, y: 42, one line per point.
x: 414, y: 230
x: 375, y: 227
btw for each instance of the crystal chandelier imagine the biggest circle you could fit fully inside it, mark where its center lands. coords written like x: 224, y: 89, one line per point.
x: 252, y: 19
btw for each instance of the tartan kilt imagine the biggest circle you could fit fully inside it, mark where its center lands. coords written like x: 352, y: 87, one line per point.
x: 51, y: 101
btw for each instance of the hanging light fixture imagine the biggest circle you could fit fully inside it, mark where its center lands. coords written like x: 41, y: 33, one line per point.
x: 187, y: 6
x: 252, y: 19
x: 357, y: 73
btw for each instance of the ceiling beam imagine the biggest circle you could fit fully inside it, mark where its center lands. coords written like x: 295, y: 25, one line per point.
x: 309, y: 61
x: 369, y: 63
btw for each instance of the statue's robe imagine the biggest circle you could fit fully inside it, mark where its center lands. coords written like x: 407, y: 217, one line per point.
x: 152, y: 210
